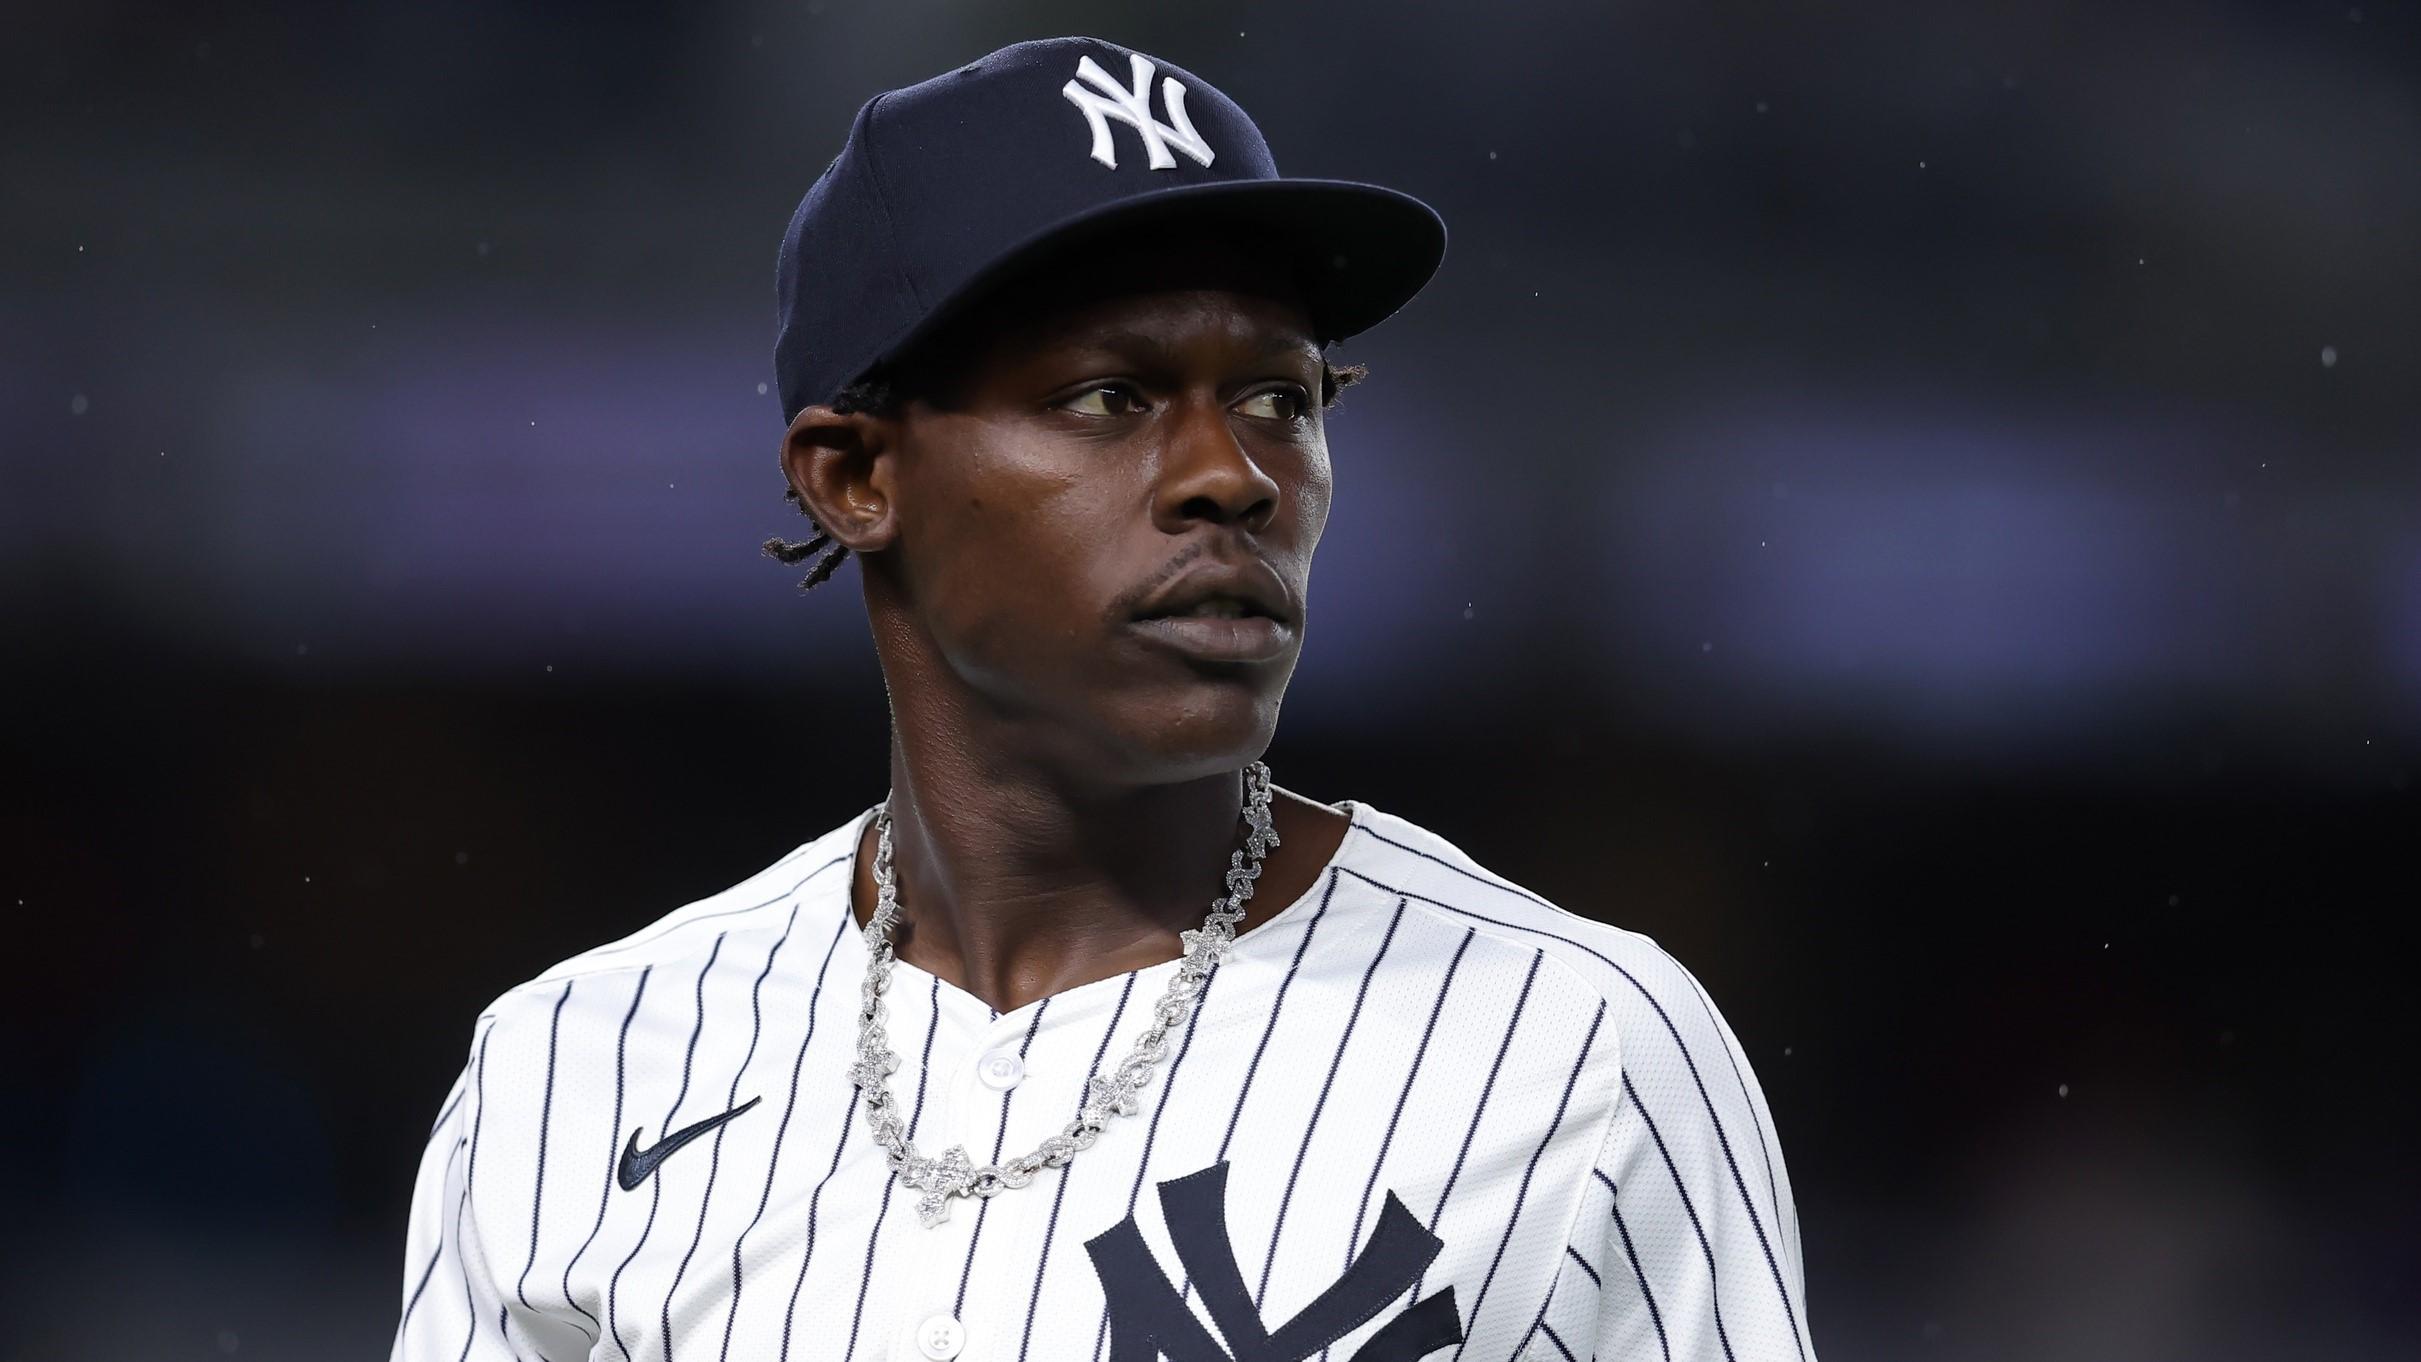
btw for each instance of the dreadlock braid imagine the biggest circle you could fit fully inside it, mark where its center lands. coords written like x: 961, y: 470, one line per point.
x: 867, y: 394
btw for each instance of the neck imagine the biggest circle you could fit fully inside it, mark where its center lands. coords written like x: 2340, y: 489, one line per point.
x: 1013, y: 886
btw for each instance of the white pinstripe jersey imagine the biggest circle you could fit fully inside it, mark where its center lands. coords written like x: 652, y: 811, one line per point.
x: 1419, y: 1112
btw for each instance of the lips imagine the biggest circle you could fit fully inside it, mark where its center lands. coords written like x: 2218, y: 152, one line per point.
x: 1248, y: 587
x: 1210, y: 638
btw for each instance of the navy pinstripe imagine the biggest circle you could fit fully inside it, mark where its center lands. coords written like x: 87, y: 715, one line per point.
x: 1480, y: 1108
x: 471, y: 1328
x: 1269, y: 1029
x: 1059, y: 1194
x: 714, y: 1164
x: 434, y: 1254
x: 614, y: 1144
x: 1522, y: 1194
x: 1327, y: 1083
x: 1152, y: 1133
x: 620, y: 946
x: 1353, y: 1241
x: 1539, y: 1320
x: 460, y: 1090
x: 655, y: 1185
x: 546, y: 1118
x: 1519, y: 892
x: 984, y: 1207
x: 470, y: 1172
x: 1705, y: 1245
x: 479, y: 1109
x: 773, y: 1162
x: 1715, y: 1122
x: 1631, y: 1255
x: 815, y: 1201
x: 1773, y: 1194
x: 891, y: 1183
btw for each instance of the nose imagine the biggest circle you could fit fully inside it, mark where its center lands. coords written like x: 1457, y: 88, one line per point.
x: 1206, y: 474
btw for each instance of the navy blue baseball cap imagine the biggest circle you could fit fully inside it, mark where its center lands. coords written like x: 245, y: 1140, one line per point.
x: 951, y: 185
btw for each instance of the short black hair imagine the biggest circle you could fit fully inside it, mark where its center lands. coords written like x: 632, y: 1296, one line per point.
x: 884, y: 390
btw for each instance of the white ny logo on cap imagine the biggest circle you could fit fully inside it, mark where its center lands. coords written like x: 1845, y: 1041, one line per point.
x: 1108, y: 100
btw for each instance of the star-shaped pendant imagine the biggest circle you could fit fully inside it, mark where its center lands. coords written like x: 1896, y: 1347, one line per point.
x: 870, y: 1070
x: 1211, y: 945
x: 941, y: 1179
x: 1106, y: 1095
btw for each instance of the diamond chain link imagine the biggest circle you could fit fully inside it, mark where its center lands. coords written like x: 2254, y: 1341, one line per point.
x: 953, y: 1174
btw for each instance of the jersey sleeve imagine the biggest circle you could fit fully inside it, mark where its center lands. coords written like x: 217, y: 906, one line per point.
x: 1685, y: 1247
x: 451, y: 1307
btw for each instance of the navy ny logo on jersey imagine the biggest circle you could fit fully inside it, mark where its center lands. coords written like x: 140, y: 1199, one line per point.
x: 1149, y: 1320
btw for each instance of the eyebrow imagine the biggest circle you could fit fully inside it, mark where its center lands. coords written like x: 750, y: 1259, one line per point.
x: 1146, y: 344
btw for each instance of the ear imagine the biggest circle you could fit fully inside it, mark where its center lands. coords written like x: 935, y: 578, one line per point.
x: 840, y: 465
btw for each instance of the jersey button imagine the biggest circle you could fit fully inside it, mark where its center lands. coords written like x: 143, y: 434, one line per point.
x: 1001, y: 1070
x: 940, y: 1337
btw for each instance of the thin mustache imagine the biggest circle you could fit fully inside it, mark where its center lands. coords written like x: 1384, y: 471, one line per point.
x: 1125, y: 607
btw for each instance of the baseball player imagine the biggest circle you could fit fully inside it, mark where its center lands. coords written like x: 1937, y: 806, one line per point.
x: 1088, y: 1041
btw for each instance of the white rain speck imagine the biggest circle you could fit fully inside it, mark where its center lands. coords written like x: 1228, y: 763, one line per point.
x: 78, y: 405
x: 2328, y: 356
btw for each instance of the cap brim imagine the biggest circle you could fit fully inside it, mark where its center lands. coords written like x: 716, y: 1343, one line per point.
x: 1359, y: 252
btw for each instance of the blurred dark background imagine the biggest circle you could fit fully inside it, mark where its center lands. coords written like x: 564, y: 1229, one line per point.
x: 1916, y: 507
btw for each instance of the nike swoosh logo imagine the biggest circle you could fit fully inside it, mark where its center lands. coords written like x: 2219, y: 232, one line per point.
x: 636, y: 1164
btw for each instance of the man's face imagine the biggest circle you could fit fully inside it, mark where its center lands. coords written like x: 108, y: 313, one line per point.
x: 1119, y: 425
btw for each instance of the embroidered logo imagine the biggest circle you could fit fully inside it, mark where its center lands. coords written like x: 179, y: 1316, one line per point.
x: 1149, y: 1320
x: 637, y: 1164
x: 1107, y: 99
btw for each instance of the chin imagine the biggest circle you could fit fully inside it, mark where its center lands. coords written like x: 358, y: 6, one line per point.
x: 1207, y: 730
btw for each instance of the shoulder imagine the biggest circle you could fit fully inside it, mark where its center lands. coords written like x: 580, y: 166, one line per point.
x: 1432, y: 873
x: 589, y: 989
x: 1655, y: 1007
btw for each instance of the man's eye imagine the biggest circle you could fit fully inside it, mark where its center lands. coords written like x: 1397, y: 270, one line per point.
x: 1277, y: 404
x: 1107, y: 399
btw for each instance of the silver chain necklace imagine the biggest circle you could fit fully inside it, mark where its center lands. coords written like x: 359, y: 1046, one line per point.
x: 954, y: 1174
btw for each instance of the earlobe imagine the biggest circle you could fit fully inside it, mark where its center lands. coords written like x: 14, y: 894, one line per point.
x: 838, y: 464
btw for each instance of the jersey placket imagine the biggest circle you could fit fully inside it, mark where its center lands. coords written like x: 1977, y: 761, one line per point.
x: 987, y: 1062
